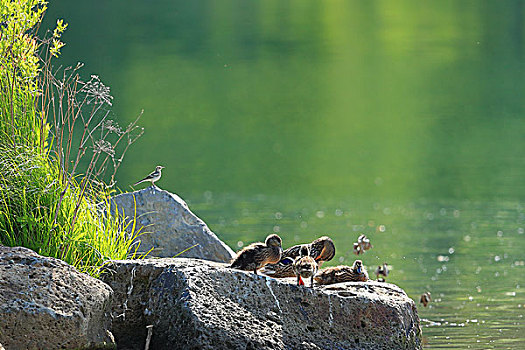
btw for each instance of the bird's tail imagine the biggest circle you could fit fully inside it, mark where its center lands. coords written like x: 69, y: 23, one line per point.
x: 141, y: 181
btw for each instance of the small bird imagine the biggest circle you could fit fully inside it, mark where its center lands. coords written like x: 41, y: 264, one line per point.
x: 342, y: 273
x: 305, y: 266
x: 322, y: 249
x: 257, y: 255
x: 425, y: 299
x: 382, y: 270
x: 154, y: 176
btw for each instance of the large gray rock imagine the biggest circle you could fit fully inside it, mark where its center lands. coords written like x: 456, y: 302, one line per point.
x: 195, y: 304
x: 47, y: 304
x: 169, y: 226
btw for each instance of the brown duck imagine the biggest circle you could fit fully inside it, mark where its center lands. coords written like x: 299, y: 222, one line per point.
x: 357, y: 249
x: 305, y: 266
x: 364, y: 243
x: 343, y: 273
x: 425, y: 299
x: 382, y: 271
x: 321, y: 250
x: 256, y: 255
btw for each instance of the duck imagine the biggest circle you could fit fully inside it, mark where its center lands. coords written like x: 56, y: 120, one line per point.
x: 322, y: 249
x: 382, y: 270
x: 357, y: 249
x: 425, y: 299
x: 342, y: 273
x: 257, y: 255
x: 305, y: 266
x: 364, y: 242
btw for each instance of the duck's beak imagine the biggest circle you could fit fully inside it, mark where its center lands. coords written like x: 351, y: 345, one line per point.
x: 359, y: 269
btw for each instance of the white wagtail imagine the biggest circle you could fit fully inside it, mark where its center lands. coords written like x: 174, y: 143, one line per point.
x: 154, y: 176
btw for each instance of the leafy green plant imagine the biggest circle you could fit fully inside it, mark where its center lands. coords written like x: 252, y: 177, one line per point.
x: 51, y: 200
x: 19, y: 70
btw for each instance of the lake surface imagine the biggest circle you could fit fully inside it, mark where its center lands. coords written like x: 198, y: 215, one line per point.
x: 402, y: 120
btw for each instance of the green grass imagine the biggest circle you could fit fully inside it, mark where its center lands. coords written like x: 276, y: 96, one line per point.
x: 44, y: 205
x: 30, y: 191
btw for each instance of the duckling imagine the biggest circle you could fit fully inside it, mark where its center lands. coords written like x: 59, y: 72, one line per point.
x: 425, y: 299
x: 343, y: 273
x: 322, y: 249
x: 283, y: 268
x: 357, y: 249
x: 364, y: 243
x: 257, y: 255
x: 382, y: 270
x: 305, y: 266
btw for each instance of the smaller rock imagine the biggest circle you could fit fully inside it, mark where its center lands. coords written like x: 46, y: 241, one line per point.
x: 169, y: 227
x: 47, y: 304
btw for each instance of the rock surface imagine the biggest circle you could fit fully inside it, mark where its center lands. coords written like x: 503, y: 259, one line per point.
x: 47, y: 304
x: 195, y: 304
x: 169, y: 226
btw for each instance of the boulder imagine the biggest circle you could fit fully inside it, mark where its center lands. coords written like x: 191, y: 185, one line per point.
x: 169, y: 227
x: 196, y: 304
x: 47, y: 304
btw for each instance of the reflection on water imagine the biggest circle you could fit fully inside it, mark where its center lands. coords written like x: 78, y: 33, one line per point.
x: 401, y: 120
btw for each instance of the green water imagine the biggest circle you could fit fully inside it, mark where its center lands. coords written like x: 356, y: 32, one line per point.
x: 403, y: 120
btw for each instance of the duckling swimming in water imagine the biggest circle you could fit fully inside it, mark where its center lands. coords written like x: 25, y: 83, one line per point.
x: 364, y: 243
x: 257, y: 255
x: 305, y: 266
x: 425, y: 299
x: 357, y: 249
x: 322, y: 249
x: 343, y: 273
x: 382, y: 270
